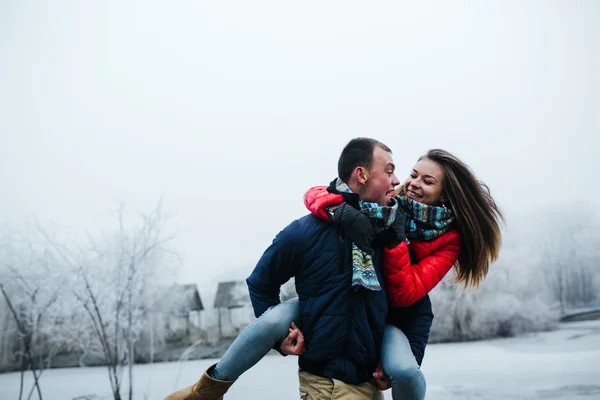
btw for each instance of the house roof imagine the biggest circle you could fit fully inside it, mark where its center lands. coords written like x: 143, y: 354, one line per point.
x: 189, y: 298
x: 232, y: 294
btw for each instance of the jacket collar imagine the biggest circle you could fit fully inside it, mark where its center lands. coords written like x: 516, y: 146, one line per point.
x: 350, y: 198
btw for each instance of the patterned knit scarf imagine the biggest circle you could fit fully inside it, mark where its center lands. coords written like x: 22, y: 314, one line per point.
x: 424, y: 222
x: 363, y: 271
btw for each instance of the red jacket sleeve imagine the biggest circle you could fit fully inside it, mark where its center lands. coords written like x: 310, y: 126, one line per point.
x: 317, y: 199
x: 407, y: 283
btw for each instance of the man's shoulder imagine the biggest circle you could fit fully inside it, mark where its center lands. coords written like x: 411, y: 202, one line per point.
x: 307, y: 228
x: 309, y: 223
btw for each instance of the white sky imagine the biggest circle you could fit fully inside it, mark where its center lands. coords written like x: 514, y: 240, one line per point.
x: 229, y: 111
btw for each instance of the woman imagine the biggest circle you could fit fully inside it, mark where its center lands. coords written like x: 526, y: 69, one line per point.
x: 451, y: 220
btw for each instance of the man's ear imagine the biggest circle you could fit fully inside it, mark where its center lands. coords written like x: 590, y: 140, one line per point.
x: 361, y: 174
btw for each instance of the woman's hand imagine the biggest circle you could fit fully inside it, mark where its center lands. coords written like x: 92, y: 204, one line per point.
x: 395, y: 234
x: 356, y: 226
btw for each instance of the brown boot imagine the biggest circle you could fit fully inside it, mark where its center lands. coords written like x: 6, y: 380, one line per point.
x: 206, y: 388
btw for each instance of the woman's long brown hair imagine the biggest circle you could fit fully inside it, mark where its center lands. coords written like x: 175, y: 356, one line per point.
x: 478, y: 218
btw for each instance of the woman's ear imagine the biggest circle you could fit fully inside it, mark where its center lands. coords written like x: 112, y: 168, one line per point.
x: 443, y: 200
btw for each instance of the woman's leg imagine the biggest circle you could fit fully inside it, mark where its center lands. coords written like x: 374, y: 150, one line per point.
x: 399, y: 363
x: 254, y: 342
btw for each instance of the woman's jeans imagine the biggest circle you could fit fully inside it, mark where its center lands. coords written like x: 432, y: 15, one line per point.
x: 399, y: 363
x: 254, y: 342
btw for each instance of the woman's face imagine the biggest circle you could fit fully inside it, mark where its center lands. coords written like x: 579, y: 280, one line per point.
x: 424, y: 184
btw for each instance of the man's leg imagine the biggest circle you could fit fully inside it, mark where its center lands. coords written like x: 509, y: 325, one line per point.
x: 314, y: 387
x: 399, y: 363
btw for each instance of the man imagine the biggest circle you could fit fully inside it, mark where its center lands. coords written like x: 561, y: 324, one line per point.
x: 343, y: 308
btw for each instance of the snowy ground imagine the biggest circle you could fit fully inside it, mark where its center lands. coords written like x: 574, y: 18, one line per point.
x: 563, y: 364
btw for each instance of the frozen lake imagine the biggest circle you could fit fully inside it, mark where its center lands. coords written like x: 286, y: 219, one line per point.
x: 563, y: 364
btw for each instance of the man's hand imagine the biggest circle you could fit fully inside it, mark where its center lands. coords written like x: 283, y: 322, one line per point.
x: 293, y: 344
x: 380, y: 379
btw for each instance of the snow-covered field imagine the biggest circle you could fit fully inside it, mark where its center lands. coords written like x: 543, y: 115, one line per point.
x: 563, y: 364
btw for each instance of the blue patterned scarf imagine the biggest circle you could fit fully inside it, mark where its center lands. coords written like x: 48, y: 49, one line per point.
x: 363, y: 271
x: 425, y: 222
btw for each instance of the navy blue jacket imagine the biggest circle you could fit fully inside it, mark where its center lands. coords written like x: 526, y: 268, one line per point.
x: 343, y: 327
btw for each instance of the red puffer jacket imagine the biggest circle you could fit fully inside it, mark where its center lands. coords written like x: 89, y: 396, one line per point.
x: 406, y: 283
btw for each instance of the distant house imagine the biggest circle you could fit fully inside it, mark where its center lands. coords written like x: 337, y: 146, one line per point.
x: 187, y: 311
x: 232, y: 303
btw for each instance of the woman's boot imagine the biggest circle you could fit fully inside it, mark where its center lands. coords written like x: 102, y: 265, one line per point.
x: 207, y: 388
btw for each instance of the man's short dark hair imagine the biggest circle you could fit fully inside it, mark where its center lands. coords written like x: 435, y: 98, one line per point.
x: 358, y: 153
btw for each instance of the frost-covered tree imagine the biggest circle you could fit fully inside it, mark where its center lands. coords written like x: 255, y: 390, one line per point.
x: 570, y: 247
x: 114, y: 281
x: 31, y: 294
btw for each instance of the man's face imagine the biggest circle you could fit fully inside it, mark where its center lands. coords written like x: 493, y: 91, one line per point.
x: 380, y: 179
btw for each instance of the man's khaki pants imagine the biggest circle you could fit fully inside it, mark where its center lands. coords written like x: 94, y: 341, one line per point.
x: 313, y: 387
